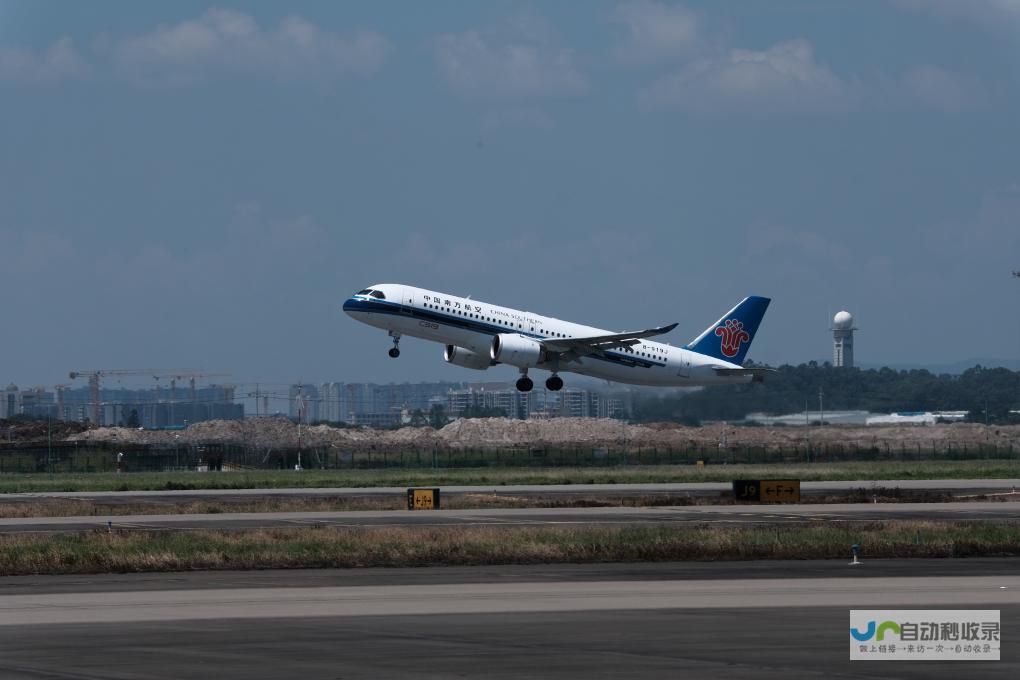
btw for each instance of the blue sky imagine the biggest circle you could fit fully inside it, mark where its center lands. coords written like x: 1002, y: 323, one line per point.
x: 194, y: 185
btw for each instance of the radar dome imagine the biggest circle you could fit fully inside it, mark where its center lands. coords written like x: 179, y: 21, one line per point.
x: 843, y: 321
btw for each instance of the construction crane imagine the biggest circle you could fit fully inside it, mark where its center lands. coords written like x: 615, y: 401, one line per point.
x: 190, y: 376
x: 94, y: 377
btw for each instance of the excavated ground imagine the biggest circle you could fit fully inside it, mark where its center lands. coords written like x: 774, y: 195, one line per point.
x: 560, y: 432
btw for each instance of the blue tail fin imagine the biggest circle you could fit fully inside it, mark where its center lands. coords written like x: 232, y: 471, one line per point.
x: 730, y: 337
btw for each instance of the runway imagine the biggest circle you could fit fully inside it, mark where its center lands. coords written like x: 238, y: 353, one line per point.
x: 732, y: 514
x: 601, y: 621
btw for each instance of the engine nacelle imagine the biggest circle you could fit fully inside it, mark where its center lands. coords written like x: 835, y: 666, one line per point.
x: 516, y: 350
x: 458, y: 356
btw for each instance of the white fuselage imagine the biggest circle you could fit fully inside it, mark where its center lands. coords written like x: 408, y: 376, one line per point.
x: 472, y: 324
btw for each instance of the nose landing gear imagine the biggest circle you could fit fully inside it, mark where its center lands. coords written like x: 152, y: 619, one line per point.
x: 395, y: 350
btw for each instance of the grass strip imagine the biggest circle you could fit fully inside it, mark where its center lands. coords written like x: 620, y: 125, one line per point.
x: 333, y: 547
x: 77, y: 507
x: 636, y: 474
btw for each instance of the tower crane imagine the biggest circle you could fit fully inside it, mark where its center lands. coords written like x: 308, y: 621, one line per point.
x: 190, y: 376
x: 94, y: 378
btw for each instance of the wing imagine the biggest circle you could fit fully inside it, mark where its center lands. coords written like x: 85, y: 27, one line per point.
x: 596, y: 344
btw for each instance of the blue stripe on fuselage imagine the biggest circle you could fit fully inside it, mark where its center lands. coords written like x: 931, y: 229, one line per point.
x: 376, y: 306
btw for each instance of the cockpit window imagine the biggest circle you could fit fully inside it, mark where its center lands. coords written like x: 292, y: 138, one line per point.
x: 364, y: 292
x: 378, y: 294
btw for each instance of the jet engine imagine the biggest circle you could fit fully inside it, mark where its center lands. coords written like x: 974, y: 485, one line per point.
x: 458, y: 356
x: 516, y: 350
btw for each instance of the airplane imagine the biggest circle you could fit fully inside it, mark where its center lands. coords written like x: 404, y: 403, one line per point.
x: 479, y: 335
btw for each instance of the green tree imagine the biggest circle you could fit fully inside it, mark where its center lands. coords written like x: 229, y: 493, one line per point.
x: 437, y: 416
x: 984, y: 392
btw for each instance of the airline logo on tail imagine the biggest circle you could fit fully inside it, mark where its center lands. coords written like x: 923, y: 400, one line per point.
x: 733, y: 334
x: 729, y: 338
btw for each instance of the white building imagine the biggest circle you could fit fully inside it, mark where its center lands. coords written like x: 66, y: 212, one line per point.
x: 843, y: 340
x: 917, y: 418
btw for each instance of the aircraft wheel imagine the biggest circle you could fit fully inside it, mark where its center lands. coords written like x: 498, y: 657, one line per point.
x: 525, y: 384
x: 394, y: 352
x: 554, y: 383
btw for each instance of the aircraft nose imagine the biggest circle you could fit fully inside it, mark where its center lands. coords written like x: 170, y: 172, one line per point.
x: 349, y: 305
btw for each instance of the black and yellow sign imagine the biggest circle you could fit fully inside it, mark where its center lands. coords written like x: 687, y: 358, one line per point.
x: 767, y: 490
x: 423, y: 499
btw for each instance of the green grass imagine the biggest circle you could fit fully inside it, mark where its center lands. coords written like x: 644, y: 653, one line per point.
x: 272, y: 479
x: 96, y: 552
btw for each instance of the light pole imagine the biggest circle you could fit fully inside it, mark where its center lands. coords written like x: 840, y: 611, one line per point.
x: 49, y: 445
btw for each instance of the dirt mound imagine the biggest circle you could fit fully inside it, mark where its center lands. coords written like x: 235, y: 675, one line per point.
x: 274, y: 433
x: 27, y: 431
x: 468, y: 432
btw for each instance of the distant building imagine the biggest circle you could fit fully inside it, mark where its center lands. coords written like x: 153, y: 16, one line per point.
x: 539, y: 403
x: 918, y: 418
x: 10, y: 401
x: 304, y: 403
x: 843, y: 340
x: 364, y: 403
x: 811, y: 418
x: 34, y: 402
x: 333, y: 402
x: 156, y: 407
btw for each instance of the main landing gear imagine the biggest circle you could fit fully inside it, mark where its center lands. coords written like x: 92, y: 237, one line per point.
x: 395, y: 350
x: 525, y: 384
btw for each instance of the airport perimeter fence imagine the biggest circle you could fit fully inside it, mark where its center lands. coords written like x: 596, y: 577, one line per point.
x: 79, y: 459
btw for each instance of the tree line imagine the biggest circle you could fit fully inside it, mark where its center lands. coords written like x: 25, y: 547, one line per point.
x: 987, y: 394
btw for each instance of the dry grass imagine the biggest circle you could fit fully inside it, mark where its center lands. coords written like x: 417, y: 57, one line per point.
x: 96, y: 552
x: 60, y: 507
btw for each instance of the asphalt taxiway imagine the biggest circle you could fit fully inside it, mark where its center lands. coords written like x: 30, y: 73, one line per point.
x: 564, y: 621
x: 733, y: 514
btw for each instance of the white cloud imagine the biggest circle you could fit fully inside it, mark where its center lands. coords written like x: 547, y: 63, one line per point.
x: 233, y: 42
x: 787, y: 79
x: 782, y: 79
x: 657, y: 32
x: 61, y: 60
x: 481, y: 66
